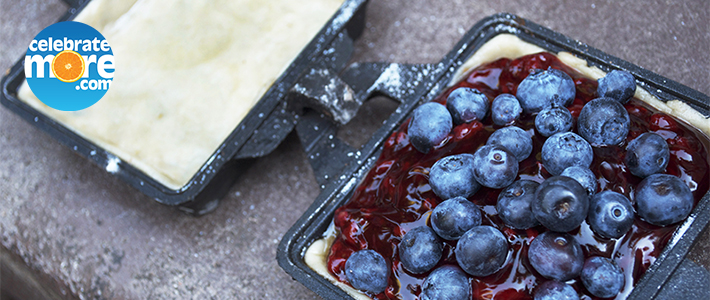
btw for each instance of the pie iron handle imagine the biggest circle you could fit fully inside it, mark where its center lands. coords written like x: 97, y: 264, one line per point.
x: 324, y: 100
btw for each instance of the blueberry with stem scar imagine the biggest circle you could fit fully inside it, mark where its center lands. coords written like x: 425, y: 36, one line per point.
x: 556, y: 256
x: 505, y: 109
x: 603, y: 121
x: 515, y: 139
x: 514, y: 203
x: 553, y: 119
x: 663, y: 199
x: 610, y: 214
x: 494, y: 166
x: 560, y: 204
x: 452, y: 176
x: 420, y: 250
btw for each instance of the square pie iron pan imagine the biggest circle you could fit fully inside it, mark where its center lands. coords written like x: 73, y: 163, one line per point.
x: 339, y: 168
x: 265, y: 127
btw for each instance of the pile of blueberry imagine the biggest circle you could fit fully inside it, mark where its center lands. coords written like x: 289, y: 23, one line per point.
x: 560, y: 203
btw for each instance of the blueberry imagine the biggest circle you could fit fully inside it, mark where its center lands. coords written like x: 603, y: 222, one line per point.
x: 610, y: 214
x: 603, y: 121
x: 367, y: 270
x: 430, y: 125
x: 555, y: 290
x: 556, y: 256
x: 542, y: 89
x: 552, y: 120
x: 663, y: 199
x: 560, y: 204
x: 602, y: 277
x: 505, y: 109
x: 618, y: 85
x: 452, y: 218
x: 494, y: 166
x: 514, y: 139
x: 564, y: 150
x: 647, y: 154
x: 466, y: 105
x: 420, y: 250
x: 446, y: 282
x: 452, y: 176
x: 584, y: 176
x: 481, y: 251
x: 514, y: 204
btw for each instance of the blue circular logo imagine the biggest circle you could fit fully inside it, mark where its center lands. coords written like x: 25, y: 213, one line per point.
x: 69, y: 66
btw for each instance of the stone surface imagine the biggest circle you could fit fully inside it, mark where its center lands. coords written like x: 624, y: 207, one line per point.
x: 686, y: 284
x: 96, y: 238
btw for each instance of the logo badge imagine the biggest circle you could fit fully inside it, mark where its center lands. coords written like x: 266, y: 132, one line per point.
x: 69, y: 66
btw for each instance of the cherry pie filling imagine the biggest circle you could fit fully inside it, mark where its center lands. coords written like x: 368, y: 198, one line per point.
x: 395, y: 196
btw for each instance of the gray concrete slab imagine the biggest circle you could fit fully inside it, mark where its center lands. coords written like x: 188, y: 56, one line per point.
x: 87, y: 235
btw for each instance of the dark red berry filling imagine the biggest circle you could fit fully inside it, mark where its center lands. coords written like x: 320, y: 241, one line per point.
x: 395, y: 195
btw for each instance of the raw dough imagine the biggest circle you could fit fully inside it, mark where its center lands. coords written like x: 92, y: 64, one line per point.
x: 187, y: 72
